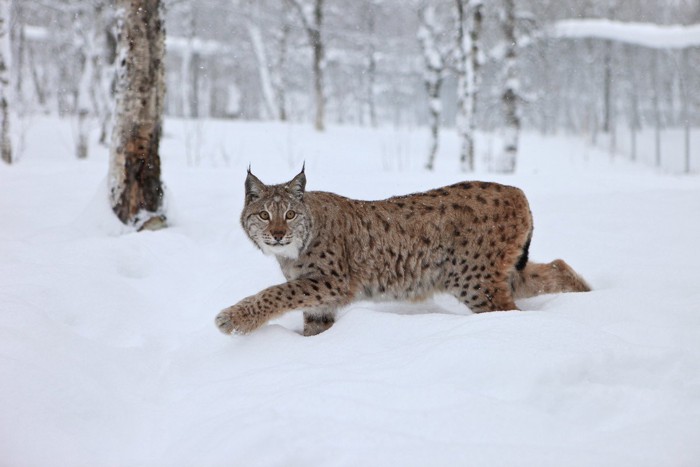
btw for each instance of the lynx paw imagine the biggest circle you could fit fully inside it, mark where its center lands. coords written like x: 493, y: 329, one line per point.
x: 240, y: 318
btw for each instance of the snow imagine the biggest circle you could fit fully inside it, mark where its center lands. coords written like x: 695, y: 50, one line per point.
x: 651, y: 35
x: 173, y: 43
x: 36, y: 33
x: 196, y: 44
x: 109, y: 354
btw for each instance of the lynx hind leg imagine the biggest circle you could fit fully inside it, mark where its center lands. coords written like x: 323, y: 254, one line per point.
x: 483, y: 291
x: 546, y: 278
x: 486, y: 285
x: 317, y: 321
x: 494, y: 296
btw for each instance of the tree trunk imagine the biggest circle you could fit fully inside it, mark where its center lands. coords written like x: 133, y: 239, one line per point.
x: 319, y: 65
x: 633, y: 112
x: 510, y: 97
x: 187, y: 91
x: 105, y: 86
x: 686, y: 99
x: 658, y: 117
x: 433, y: 76
x: 372, y: 64
x: 435, y: 109
x: 5, y: 81
x: 468, y: 14
x: 38, y: 85
x: 268, y: 92
x: 372, y: 86
x: 278, y: 80
x: 135, y: 187
x: 607, y: 87
x: 313, y: 30
x: 84, y: 34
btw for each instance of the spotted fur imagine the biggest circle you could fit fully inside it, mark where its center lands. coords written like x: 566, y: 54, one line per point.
x: 470, y: 239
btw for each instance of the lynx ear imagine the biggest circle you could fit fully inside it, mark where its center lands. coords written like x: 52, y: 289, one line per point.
x: 298, y: 184
x: 253, y: 187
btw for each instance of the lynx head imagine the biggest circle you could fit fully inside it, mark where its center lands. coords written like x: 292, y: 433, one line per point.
x: 275, y: 216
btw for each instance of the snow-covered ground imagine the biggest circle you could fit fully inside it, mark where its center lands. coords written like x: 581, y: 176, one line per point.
x: 109, y: 355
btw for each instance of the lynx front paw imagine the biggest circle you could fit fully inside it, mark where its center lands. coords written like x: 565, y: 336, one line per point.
x: 240, y: 318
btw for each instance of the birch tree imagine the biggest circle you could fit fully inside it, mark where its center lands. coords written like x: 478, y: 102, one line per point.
x: 369, y: 17
x: 271, y: 52
x: 135, y: 186
x: 106, y: 77
x: 510, y: 97
x: 93, y: 37
x: 656, y: 106
x: 269, y: 68
x: 85, y: 38
x: 188, y: 86
x: 469, y: 18
x: 686, y: 100
x: 311, y: 16
x: 434, y: 61
x: 279, y: 83
x: 268, y: 91
x: 5, y: 84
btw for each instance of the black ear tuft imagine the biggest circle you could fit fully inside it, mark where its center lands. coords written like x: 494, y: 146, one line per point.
x: 253, y: 187
x: 298, y: 185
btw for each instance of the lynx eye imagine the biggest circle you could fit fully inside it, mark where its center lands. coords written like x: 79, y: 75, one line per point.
x: 264, y: 215
x: 290, y: 215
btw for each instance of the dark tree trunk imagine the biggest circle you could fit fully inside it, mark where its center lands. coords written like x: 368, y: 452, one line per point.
x: 658, y: 117
x: 686, y: 100
x: 135, y: 185
x: 607, y: 87
x: 5, y: 82
x: 319, y: 62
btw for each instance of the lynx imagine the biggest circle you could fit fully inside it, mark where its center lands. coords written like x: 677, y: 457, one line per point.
x: 470, y: 240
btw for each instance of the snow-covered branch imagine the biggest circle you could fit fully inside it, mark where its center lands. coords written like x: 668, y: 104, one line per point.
x: 650, y: 35
x: 173, y: 43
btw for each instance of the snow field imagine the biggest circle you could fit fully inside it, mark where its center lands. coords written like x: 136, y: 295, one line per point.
x: 109, y: 355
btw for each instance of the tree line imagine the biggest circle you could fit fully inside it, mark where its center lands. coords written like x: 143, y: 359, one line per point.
x: 490, y: 66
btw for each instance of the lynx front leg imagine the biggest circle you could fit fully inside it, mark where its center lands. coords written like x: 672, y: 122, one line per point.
x: 241, y: 318
x: 319, y: 320
x: 307, y: 293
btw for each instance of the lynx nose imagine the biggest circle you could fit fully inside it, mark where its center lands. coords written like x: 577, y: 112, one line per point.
x: 277, y: 234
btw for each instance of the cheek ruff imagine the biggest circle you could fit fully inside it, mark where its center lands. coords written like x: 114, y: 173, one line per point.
x: 289, y: 250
